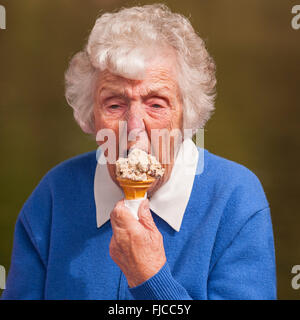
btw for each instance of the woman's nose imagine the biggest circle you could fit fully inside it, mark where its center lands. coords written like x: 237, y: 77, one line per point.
x: 135, y: 119
x: 136, y: 130
x: 135, y: 122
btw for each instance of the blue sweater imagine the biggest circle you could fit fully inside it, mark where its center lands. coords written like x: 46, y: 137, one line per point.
x: 224, y: 249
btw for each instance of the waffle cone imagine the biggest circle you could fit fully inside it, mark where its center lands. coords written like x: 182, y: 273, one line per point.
x: 135, y: 189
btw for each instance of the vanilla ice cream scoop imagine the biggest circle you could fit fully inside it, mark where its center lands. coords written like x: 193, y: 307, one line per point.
x: 138, y: 166
x: 135, y: 175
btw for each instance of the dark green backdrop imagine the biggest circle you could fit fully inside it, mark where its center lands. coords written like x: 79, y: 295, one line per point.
x: 256, y: 122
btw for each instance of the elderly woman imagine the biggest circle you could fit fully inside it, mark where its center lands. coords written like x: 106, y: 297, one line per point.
x: 204, y: 233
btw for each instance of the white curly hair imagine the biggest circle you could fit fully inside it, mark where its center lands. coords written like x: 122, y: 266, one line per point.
x: 120, y: 42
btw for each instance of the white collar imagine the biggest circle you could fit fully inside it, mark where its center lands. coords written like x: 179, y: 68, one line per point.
x: 168, y: 202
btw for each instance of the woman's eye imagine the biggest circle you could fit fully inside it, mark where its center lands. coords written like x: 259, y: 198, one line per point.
x: 114, y: 106
x: 156, y: 106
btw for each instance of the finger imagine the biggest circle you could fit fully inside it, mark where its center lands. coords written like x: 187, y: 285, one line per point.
x: 121, y: 216
x: 145, y: 216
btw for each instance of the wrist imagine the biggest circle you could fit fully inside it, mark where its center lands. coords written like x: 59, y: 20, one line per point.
x: 135, y: 279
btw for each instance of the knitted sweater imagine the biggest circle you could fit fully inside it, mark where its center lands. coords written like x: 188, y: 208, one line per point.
x: 223, y: 250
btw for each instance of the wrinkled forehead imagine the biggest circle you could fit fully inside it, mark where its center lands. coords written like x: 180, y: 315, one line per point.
x: 160, y: 75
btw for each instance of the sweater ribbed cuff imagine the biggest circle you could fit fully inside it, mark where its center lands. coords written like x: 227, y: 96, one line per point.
x: 162, y: 286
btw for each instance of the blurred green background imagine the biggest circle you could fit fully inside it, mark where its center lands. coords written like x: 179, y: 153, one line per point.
x: 256, y: 122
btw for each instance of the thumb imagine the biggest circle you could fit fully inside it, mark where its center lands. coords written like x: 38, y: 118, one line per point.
x: 145, y: 216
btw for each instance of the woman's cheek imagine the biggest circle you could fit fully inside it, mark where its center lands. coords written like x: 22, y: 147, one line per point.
x: 161, y: 119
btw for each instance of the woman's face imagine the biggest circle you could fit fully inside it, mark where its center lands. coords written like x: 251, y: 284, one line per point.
x: 146, y: 106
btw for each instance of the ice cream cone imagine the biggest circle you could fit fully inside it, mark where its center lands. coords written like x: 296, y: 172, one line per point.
x: 135, y: 189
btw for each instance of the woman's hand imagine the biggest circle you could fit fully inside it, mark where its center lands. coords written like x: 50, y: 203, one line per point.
x: 136, y: 245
